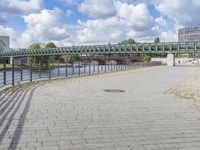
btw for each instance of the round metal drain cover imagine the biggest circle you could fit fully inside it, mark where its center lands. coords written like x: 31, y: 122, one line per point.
x: 114, y: 90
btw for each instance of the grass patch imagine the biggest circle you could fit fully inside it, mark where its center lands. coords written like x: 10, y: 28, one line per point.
x: 7, y: 66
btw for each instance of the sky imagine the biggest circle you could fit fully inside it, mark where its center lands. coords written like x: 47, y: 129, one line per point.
x: 86, y: 22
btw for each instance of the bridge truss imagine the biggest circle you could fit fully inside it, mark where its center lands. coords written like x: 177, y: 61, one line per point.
x: 177, y: 48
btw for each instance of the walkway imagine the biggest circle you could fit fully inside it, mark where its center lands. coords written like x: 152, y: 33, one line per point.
x: 77, y: 114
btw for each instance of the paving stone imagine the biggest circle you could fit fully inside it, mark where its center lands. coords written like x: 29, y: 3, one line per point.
x: 77, y: 114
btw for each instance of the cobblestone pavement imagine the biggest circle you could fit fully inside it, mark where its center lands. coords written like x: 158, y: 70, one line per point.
x: 190, y: 87
x: 77, y: 114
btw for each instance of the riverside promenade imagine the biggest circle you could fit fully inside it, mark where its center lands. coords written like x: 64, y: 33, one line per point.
x: 78, y: 114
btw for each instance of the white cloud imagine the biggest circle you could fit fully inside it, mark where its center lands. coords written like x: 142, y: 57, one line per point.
x: 11, y: 33
x: 196, y: 2
x: 100, y: 31
x: 168, y: 36
x: 130, y: 21
x: 183, y: 12
x: 16, y: 7
x: 98, y: 8
x: 44, y: 27
x: 145, y: 35
x: 136, y: 17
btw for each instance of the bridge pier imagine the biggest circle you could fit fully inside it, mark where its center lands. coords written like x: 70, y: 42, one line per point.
x: 11, y: 60
x: 170, y: 59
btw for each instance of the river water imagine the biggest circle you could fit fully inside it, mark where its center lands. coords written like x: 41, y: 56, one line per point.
x: 56, y: 72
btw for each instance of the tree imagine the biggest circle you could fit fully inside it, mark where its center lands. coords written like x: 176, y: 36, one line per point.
x: 157, y: 40
x: 42, y: 60
x: 147, y: 58
x: 34, y: 46
x: 70, y: 58
x: 127, y: 42
x: 50, y: 45
x: 35, y: 59
x: 51, y: 59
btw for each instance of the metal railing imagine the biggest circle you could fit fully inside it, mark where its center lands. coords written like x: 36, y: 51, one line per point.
x: 19, y: 73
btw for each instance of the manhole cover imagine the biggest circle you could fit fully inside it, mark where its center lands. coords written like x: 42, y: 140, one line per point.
x: 114, y: 90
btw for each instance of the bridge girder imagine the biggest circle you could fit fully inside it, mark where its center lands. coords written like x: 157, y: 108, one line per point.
x: 145, y: 48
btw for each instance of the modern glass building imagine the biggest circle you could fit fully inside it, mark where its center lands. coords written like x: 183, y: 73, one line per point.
x: 189, y: 34
x: 4, y: 43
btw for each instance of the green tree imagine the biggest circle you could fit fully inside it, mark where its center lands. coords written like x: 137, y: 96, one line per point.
x: 147, y: 58
x: 157, y: 40
x: 70, y: 58
x: 127, y: 42
x: 35, y: 59
x: 34, y: 46
x: 51, y: 59
x: 43, y: 60
x: 50, y: 45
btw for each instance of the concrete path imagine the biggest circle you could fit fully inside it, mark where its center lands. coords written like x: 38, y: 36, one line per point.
x: 77, y: 114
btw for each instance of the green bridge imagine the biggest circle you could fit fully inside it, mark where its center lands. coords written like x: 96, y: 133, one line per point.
x: 176, y: 48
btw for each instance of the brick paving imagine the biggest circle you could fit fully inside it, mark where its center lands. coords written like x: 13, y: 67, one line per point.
x: 77, y: 114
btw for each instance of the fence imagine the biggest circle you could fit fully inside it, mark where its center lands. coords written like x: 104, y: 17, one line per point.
x: 16, y: 74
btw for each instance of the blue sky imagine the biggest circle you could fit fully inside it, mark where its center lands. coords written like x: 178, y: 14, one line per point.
x: 81, y: 22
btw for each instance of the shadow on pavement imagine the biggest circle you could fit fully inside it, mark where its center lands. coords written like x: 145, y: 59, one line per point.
x: 12, y: 108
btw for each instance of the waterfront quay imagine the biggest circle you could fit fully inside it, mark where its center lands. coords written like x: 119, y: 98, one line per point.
x: 127, y: 110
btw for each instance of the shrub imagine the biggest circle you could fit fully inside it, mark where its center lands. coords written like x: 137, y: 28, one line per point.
x: 147, y: 58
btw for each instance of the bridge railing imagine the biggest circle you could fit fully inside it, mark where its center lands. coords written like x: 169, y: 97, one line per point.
x: 19, y: 72
x: 177, y: 48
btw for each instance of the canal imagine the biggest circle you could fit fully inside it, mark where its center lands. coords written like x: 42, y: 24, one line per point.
x: 19, y: 75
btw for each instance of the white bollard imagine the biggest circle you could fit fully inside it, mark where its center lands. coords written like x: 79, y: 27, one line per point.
x: 170, y: 60
x: 11, y: 58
